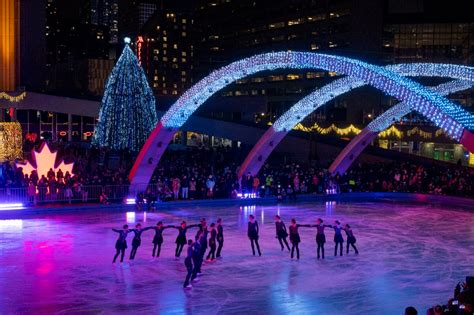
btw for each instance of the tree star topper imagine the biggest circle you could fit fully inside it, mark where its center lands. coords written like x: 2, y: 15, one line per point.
x: 43, y: 160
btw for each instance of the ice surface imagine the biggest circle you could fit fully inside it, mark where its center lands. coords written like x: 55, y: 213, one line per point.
x: 411, y: 254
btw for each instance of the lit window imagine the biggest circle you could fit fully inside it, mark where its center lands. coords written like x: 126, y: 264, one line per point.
x: 155, y: 78
x: 175, y: 92
x: 183, y: 34
x: 165, y: 39
x: 183, y: 80
x: 165, y: 58
x: 215, y: 48
x: 183, y: 60
x: 165, y: 92
x: 156, y: 51
x: 293, y: 77
x: 183, y: 21
x: 332, y: 74
x: 314, y: 47
x: 183, y: 73
x: 295, y: 22
x: 175, y: 46
x: 183, y: 53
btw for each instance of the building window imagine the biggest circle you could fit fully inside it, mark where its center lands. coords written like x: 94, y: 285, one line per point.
x: 175, y: 46
x: 275, y: 78
x: 183, y: 21
x: 183, y: 53
x: 292, y: 77
x: 295, y: 22
x: 277, y: 25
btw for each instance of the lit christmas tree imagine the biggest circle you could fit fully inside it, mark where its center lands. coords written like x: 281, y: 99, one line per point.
x: 127, y: 114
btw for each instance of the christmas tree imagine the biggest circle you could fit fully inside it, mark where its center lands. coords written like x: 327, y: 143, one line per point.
x: 127, y: 114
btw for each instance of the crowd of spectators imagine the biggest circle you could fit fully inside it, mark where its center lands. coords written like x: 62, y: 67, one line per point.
x: 205, y: 173
x: 462, y: 302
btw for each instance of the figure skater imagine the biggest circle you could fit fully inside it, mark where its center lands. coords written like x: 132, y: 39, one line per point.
x: 196, y: 257
x: 189, y: 264
x: 295, y: 237
x: 204, y: 231
x: 320, y: 236
x: 158, y: 238
x: 252, y: 233
x: 281, y: 232
x: 351, y: 240
x: 137, y: 239
x: 181, y: 238
x: 121, y: 244
x: 220, y: 237
x: 338, y: 239
x: 212, y: 244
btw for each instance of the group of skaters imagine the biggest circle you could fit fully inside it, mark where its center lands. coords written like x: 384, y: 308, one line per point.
x: 282, y: 233
x: 197, y: 248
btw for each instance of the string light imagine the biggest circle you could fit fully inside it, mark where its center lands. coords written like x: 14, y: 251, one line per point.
x: 14, y: 98
x: 438, y: 109
x: 128, y: 112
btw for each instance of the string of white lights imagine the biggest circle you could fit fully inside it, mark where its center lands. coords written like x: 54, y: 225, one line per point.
x: 435, y: 107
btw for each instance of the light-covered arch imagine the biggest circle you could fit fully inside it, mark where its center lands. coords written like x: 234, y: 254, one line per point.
x: 391, y: 83
x: 355, y: 147
x: 443, y: 117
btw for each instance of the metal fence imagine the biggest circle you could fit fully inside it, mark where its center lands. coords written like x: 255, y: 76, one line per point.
x: 82, y: 194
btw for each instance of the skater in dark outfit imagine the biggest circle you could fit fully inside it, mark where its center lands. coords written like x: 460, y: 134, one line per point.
x: 196, y: 257
x: 121, y: 244
x: 351, y: 240
x: 220, y: 237
x: 137, y: 239
x: 295, y: 237
x: 281, y: 233
x: 338, y: 239
x: 211, y: 256
x: 252, y: 233
x: 203, y: 231
x: 188, y: 262
x: 320, y: 236
x: 158, y: 238
x: 181, y: 238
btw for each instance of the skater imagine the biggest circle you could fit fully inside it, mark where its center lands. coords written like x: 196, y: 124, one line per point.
x: 189, y: 264
x: 281, y: 233
x: 137, y: 239
x: 220, y: 237
x: 252, y: 233
x: 212, y: 244
x: 158, y: 238
x: 203, y: 232
x: 320, y: 236
x: 351, y: 240
x: 196, y: 253
x: 338, y: 239
x: 121, y: 244
x: 181, y: 238
x: 295, y: 237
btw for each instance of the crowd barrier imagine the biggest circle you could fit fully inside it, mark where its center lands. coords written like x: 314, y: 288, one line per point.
x: 64, y: 194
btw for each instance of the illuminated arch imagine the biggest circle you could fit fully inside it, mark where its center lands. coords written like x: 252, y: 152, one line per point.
x: 424, y: 100
x: 440, y: 116
x: 355, y: 147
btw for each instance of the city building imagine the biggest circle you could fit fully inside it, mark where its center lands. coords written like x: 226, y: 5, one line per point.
x: 165, y: 49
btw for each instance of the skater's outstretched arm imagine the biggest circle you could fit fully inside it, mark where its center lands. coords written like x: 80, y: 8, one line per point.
x: 118, y: 231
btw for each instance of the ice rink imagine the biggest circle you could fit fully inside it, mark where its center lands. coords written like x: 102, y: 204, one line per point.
x: 410, y: 254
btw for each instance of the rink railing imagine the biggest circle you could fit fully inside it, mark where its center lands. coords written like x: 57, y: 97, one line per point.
x: 83, y: 194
